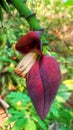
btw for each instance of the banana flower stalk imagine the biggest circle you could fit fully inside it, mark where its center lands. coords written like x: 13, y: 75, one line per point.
x: 42, y: 72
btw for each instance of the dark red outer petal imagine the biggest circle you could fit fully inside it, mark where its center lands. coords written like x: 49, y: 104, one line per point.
x: 51, y: 78
x: 42, y: 83
x: 35, y: 89
x: 30, y: 43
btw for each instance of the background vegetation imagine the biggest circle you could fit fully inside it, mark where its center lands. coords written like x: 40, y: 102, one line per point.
x: 57, y: 19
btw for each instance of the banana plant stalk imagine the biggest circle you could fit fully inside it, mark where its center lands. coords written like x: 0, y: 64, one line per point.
x: 27, y: 14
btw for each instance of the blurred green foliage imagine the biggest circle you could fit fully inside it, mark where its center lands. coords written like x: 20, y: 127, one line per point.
x: 57, y: 19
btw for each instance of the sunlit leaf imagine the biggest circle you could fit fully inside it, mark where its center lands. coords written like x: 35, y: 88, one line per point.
x: 19, y: 124
x: 69, y: 2
x: 54, y: 110
x: 60, y: 99
x: 30, y: 125
x: 64, y: 70
x: 40, y: 122
x: 1, y: 128
x: 15, y: 115
x: 18, y: 98
x: 69, y: 84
